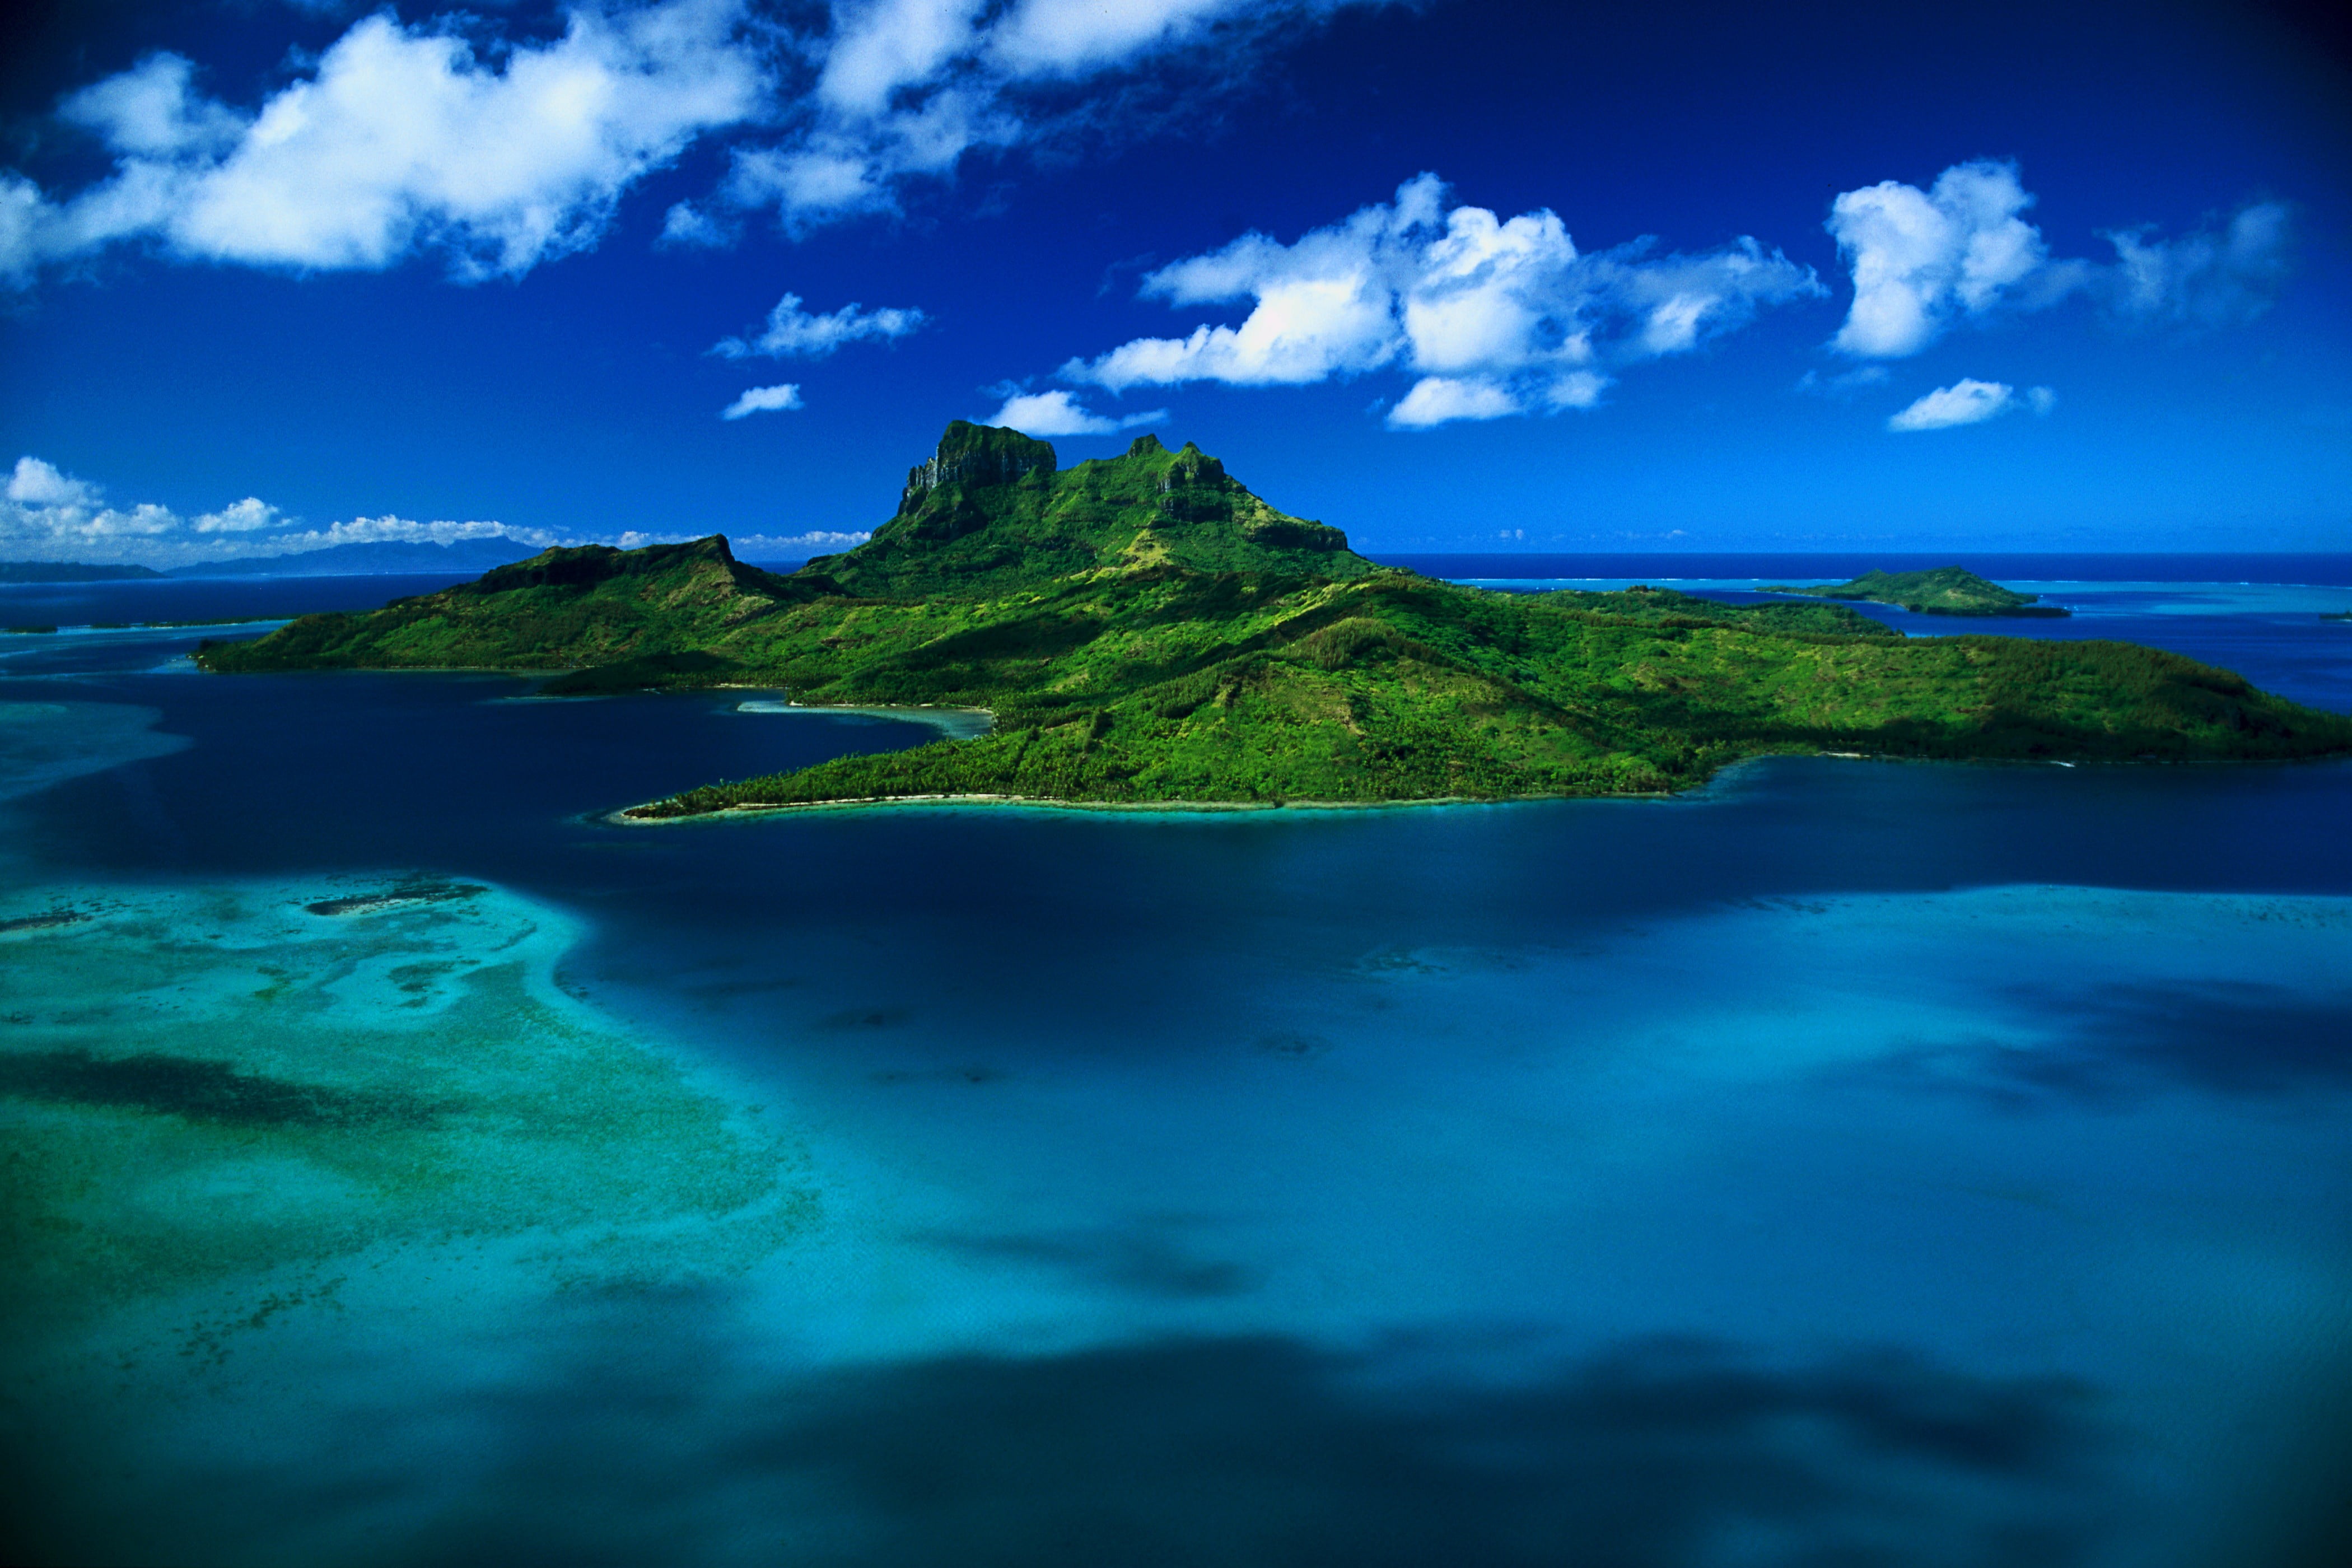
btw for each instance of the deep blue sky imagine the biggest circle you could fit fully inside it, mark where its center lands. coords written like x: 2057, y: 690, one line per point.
x: 180, y: 361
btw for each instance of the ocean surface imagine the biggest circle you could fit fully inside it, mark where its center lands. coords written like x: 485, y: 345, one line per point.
x: 1848, y: 1163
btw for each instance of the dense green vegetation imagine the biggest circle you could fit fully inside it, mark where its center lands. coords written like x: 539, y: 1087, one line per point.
x: 1946, y: 591
x: 1145, y: 630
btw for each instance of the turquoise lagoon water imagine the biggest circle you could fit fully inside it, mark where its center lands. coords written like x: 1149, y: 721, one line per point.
x: 1850, y: 1163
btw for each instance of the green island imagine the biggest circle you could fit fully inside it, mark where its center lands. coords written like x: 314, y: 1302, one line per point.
x: 1146, y: 632
x: 69, y: 572
x: 1946, y: 591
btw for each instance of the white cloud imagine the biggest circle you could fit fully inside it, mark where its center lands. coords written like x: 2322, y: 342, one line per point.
x: 882, y: 46
x: 1502, y: 317
x: 247, y: 516
x: 1924, y: 260
x: 1056, y: 413
x: 795, y: 546
x: 391, y: 529
x: 2040, y: 399
x: 906, y: 88
x: 48, y: 515
x: 401, y: 138
x: 149, y: 111
x: 1056, y: 37
x: 442, y: 136
x: 1439, y: 400
x: 37, y: 483
x: 2213, y: 278
x: 686, y: 223
x: 1964, y: 402
x: 791, y: 332
x: 763, y: 400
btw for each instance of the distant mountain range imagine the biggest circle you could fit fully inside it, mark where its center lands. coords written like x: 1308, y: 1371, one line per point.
x: 69, y: 571
x: 365, y: 560
x: 466, y: 557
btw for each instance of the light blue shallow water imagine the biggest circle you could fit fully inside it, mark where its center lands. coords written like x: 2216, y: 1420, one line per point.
x: 1853, y: 1163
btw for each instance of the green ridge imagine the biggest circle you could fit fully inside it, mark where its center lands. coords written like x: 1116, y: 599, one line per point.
x: 1946, y: 591
x: 1147, y: 631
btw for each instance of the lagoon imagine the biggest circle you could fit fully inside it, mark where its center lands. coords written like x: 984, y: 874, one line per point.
x: 1851, y: 1161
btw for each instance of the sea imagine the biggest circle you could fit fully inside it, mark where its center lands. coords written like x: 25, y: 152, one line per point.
x: 1847, y: 1162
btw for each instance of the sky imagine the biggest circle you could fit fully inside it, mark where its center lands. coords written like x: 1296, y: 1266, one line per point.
x: 1449, y: 274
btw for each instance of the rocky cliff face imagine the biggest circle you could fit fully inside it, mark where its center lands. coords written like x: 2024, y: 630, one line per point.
x: 976, y: 454
x: 992, y: 509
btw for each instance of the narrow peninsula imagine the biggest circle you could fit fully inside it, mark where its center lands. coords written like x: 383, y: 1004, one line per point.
x: 1148, y: 631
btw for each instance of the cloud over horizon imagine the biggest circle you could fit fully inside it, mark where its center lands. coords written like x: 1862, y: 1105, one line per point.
x: 48, y: 515
x: 1500, y: 317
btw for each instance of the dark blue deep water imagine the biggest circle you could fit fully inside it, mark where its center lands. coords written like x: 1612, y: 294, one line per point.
x: 1850, y: 1163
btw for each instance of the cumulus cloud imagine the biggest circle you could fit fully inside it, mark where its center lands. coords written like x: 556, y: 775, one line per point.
x: 400, y: 138
x: 247, y: 516
x: 792, y: 332
x: 391, y: 529
x: 763, y: 400
x: 1502, y: 316
x: 795, y: 546
x: 48, y: 515
x: 443, y: 135
x: 1923, y: 261
x: 1969, y: 402
x: 1056, y: 413
x: 1920, y: 257
x: 39, y: 484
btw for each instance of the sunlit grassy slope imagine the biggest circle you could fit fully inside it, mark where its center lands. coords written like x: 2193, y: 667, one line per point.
x: 1146, y: 630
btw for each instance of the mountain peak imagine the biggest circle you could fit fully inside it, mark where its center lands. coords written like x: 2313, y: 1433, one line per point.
x: 977, y: 455
x: 992, y: 509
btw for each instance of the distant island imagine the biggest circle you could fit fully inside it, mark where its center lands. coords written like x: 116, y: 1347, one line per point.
x: 69, y: 572
x: 1148, y: 631
x: 1946, y: 591
x: 372, y: 558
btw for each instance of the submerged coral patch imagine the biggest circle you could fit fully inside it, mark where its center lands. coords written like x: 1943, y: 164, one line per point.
x: 213, y: 1093
x: 202, y: 1090
x: 49, y: 921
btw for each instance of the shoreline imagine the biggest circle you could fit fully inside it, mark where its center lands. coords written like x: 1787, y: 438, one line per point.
x: 618, y: 817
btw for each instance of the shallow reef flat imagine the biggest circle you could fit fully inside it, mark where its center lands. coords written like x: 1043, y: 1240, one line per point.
x: 227, y: 1105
